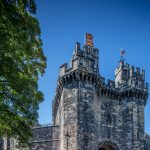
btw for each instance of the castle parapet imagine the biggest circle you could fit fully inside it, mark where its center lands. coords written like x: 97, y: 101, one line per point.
x: 111, y: 83
x: 85, y: 59
x: 130, y: 76
x: 63, y: 69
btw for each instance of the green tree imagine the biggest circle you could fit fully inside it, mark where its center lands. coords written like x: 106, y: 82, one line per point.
x: 21, y: 62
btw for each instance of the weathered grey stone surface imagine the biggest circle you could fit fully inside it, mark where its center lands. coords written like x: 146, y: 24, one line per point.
x: 45, y: 137
x: 91, y: 114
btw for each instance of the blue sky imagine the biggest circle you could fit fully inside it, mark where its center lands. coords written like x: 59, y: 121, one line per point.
x: 115, y: 24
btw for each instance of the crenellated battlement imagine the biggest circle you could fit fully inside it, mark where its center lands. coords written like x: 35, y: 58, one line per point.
x: 129, y: 76
x: 86, y: 59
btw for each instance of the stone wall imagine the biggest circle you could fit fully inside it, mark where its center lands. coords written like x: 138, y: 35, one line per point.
x: 87, y: 137
x: 109, y: 120
x: 68, y: 117
x: 45, y: 138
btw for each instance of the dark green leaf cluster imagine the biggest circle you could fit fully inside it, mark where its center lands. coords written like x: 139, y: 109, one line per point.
x: 21, y: 62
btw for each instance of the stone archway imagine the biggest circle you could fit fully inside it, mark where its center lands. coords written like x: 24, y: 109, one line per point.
x: 107, y: 145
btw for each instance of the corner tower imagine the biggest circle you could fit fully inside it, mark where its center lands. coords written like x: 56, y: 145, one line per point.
x: 133, y: 94
x: 73, y: 107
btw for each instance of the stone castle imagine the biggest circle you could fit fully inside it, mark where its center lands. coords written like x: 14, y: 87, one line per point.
x: 91, y: 114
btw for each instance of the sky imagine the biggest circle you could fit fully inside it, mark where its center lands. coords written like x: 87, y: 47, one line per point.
x: 115, y: 24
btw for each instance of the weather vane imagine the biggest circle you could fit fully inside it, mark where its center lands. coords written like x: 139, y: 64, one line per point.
x: 122, y: 53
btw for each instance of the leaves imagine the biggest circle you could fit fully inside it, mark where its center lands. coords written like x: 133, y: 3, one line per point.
x: 21, y: 62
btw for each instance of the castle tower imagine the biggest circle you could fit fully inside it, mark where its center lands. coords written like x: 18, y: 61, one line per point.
x: 133, y: 96
x: 77, y: 89
x: 93, y: 114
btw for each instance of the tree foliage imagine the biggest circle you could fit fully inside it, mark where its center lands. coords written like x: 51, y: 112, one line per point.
x: 21, y: 62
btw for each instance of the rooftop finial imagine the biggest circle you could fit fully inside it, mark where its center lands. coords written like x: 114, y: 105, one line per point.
x: 89, y: 39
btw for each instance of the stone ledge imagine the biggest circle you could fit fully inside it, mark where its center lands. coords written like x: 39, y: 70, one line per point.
x: 44, y: 141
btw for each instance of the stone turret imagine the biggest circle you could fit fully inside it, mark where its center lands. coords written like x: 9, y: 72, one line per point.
x: 127, y: 76
x: 133, y: 93
x: 86, y: 60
